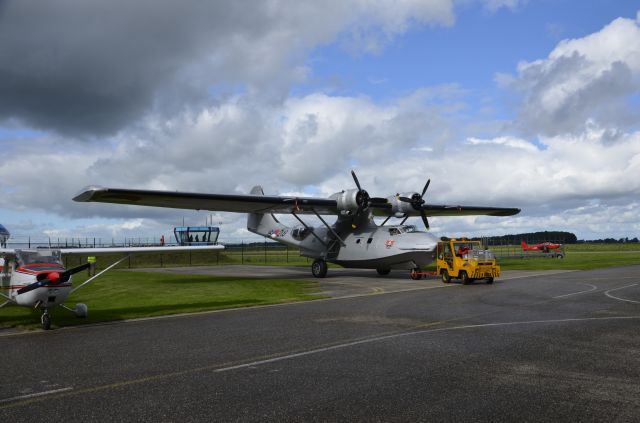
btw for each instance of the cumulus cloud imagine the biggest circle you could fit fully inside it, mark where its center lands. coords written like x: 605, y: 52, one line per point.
x: 495, y: 5
x: 89, y: 68
x: 585, y: 78
x: 197, y: 99
x: 308, y: 146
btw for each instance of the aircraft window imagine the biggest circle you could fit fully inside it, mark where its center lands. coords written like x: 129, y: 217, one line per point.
x: 38, y: 257
x: 369, y: 240
x: 358, y: 241
x: 394, y: 231
x: 408, y: 228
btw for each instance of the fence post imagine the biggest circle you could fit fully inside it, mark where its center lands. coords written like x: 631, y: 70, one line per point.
x: 242, y: 252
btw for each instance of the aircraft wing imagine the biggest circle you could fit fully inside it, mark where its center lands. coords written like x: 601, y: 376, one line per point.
x: 11, y: 252
x: 155, y: 249
x: 451, y: 210
x: 7, y: 252
x: 436, y: 210
x: 212, y: 202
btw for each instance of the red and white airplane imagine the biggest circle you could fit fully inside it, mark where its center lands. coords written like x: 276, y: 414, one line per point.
x: 37, y: 277
x: 543, y: 246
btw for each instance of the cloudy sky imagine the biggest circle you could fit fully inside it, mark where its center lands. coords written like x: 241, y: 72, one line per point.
x: 519, y: 103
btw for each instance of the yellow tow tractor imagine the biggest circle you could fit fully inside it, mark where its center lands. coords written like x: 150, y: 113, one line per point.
x: 465, y: 260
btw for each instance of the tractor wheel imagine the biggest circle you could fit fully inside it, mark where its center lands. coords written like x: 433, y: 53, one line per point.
x: 445, y: 276
x: 489, y: 281
x: 465, y: 278
x: 319, y: 268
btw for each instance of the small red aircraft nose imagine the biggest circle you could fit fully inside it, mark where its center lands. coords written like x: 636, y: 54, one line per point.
x: 54, y: 277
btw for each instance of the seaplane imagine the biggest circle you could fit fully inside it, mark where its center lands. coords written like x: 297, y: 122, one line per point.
x: 354, y: 240
x: 37, y: 277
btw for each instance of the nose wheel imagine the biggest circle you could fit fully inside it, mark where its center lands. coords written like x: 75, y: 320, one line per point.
x: 45, y: 320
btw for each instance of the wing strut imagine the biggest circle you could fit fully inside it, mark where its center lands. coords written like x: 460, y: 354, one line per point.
x: 100, y: 273
x: 310, y: 229
x: 330, y: 228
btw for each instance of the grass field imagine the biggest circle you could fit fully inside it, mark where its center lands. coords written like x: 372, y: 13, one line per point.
x: 123, y: 295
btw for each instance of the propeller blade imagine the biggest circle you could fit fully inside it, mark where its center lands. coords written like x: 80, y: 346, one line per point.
x: 425, y: 188
x: 76, y: 269
x: 33, y: 286
x: 355, y: 178
x: 424, y: 219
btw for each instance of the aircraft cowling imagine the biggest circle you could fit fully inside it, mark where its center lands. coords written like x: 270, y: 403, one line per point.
x: 398, y: 207
x: 349, y: 200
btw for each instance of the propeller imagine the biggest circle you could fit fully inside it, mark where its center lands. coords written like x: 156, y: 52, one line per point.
x: 363, y: 200
x: 416, y: 201
x: 52, y: 278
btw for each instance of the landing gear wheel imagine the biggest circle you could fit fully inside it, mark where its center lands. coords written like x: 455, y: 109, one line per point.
x: 81, y: 310
x: 489, y: 281
x: 383, y: 272
x: 415, y: 274
x: 45, y: 320
x: 445, y: 276
x: 464, y: 277
x: 319, y: 268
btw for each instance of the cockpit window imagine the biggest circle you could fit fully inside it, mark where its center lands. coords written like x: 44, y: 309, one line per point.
x: 25, y: 258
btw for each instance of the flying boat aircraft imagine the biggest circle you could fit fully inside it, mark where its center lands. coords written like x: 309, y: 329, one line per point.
x: 37, y: 277
x: 353, y: 241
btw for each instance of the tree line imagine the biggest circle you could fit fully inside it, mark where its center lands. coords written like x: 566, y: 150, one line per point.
x: 561, y: 237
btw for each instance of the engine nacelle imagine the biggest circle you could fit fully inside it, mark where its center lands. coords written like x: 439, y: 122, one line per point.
x: 347, y: 200
x: 399, y: 208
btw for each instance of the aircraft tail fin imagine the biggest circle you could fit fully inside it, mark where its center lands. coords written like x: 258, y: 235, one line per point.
x: 265, y: 224
x: 524, y: 245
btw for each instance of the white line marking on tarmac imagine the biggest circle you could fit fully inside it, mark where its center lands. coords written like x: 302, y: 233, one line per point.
x: 621, y: 299
x: 593, y: 288
x: 535, y: 275
x: 418, y: 332
x: 34, y: 395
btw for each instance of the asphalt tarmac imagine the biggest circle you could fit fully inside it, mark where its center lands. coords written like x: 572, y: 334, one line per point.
x: 545, y: 347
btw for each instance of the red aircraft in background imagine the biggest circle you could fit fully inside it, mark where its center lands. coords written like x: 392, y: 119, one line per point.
x: 543, y: 246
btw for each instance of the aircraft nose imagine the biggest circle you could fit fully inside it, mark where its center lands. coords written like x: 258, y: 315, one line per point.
x: 54, y: 277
